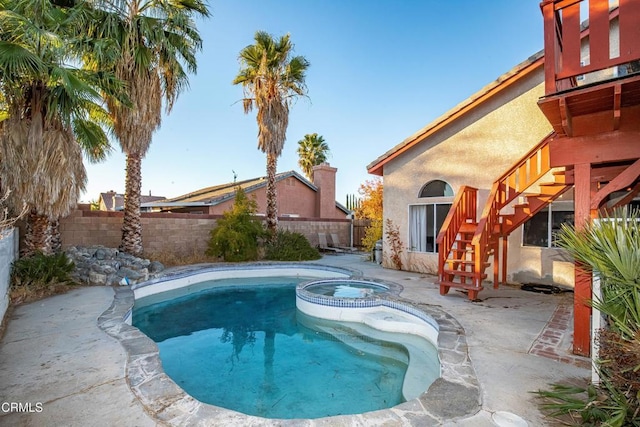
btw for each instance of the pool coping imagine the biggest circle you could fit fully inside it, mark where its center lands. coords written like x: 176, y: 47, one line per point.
x: 455, y: 395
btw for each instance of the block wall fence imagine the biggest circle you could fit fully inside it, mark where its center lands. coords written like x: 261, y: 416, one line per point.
x: 181, y: 234
x: 8, y: 254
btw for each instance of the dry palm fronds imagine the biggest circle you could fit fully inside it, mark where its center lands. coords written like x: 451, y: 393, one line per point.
x: 7, y: 220
x: 46, y: 174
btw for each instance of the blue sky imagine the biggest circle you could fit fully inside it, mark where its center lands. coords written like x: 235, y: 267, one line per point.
x: 380, y: 70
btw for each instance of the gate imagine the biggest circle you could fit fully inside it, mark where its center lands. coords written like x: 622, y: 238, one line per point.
x: 359, y: 227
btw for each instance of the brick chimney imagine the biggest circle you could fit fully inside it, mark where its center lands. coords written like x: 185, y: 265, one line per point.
x: 324, y: 177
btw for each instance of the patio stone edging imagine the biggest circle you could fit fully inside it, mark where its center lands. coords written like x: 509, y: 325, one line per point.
x: 455, y: 395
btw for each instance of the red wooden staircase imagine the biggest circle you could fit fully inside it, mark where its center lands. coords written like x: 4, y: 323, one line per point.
x: 466, y: 244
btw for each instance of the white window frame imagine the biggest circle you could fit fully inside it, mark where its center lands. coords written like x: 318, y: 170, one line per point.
x: 437, y: 201
x: 550, y: 239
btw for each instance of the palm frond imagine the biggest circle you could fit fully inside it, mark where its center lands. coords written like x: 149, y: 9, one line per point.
x: 92, y: 139
x: 16, y: 60
x: 611, y: 248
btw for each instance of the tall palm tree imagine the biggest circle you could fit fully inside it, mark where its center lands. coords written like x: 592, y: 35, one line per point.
x: 49, y: 111
x: 271, y: 80
x: 152, y: 43
x: 312, y: 151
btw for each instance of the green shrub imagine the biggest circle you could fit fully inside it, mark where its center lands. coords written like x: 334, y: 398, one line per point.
x: 237, y: 234
x: 290, y: 246
x: 40, y: 270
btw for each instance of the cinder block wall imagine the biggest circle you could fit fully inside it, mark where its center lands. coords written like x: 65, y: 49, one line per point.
x: 311, y: 227
x: 8, y: 253
x: 176, y: 233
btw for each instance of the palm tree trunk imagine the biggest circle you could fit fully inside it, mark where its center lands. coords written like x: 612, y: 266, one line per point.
x: 131, y: 225
x: 272, y: 196
x: 36, y: 237
x: 55, y: 241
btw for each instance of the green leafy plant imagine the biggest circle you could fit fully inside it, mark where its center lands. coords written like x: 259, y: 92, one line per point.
x: 237, y: 234
x: 395, y: 243
x: 611, y: 249
x: 290, y: 246
x: 41, y: 270
x: 573, y: 405
x: 40, y: 275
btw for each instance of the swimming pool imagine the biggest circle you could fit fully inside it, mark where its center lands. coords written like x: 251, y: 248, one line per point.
x: 169, y: 403
x: 242, y: 344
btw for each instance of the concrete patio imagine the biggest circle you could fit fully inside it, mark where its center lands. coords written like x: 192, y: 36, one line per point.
x: 54, y: 357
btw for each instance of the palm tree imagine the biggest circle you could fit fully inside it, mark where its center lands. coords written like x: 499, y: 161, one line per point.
x: 312, y: 151
x: 152, y: 42
x: 610, y: 249
x: 48, y: 114
x: 271, y: 80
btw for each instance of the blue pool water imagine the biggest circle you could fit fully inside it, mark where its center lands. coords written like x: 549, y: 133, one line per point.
x: 345, y: 289
x: 248, y: 349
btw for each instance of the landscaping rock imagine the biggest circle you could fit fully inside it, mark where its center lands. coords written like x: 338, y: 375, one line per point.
x: 98, y: 265
x: 97, y: 278
x: 156, y: 267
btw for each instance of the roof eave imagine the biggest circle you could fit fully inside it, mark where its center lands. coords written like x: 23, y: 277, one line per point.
x: 504, y: 81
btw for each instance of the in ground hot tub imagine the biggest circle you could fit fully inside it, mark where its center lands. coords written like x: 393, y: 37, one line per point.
x: 376, y: 305
x: 339, y: 288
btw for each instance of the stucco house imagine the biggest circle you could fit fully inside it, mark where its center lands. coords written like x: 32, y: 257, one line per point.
x: 479, y: 193
x: 473, y: 144
x: 297, y: 196
x: 112, y: 201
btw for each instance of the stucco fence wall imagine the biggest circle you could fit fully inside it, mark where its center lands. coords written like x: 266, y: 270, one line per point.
x: 180, y: 234
x: 8, y: 253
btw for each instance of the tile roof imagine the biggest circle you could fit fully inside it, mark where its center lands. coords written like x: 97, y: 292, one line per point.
x: 219, y: 193
x: 211, y: 196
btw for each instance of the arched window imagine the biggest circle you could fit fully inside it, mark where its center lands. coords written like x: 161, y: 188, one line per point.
x: 436, y: 188
x: 426, y: 218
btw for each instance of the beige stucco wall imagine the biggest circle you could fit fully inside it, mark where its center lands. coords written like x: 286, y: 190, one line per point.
x: 475, y: 150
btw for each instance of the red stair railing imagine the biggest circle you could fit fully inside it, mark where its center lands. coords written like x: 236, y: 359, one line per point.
x: 529, y: 169
x: 463, y: 209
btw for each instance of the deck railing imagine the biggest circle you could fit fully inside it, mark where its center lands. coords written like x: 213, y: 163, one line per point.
x: 606, y: 45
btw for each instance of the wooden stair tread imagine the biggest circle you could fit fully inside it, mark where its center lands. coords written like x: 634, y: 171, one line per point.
x: 463, y: 273
x: 466, y: 261
x: 468, y: 250
x: 467, y: 286
x: 468, y: 228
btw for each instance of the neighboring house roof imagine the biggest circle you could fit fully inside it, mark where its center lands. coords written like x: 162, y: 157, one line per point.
x: 211, y: 196
x: 115, y: 202
x: 503, y: 82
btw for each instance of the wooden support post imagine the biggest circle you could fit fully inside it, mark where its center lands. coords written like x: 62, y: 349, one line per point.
x: 496, y: 263
x: 582, y: 290
x: 504, y: 258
